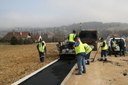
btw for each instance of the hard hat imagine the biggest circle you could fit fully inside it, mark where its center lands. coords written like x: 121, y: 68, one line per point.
x: 43, y: 42
x: 40, y: 40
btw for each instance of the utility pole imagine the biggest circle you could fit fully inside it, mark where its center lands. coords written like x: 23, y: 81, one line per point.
x: 80, y: 26
x: 54, y: 34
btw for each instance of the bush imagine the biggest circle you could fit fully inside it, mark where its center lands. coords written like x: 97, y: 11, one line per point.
x: 28, y: 41
x: 13, y: 41
x: 20, y: 41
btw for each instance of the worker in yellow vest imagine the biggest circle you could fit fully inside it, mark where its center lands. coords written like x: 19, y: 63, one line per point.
x: 114, y: 46
x: 41, y: 47
x: 80, y: 55
x: 104, y: 48
x: 71, y: 41
x: 88, y: 51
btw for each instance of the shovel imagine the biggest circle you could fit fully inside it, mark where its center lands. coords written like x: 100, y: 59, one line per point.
x: 96, y: 53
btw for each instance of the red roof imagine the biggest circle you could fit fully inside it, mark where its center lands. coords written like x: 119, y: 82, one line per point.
x: 18, y: 35
x: 35, y: 37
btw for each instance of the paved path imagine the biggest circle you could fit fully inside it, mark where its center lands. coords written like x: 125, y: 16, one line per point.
x: 52, y: 75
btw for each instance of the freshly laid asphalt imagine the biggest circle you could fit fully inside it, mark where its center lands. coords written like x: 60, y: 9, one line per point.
x: 52, y: 75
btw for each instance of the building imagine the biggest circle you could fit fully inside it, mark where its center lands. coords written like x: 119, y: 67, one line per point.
x: 18, y: 35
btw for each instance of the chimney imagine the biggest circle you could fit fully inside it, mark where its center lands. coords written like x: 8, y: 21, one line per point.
x: 20, y: 33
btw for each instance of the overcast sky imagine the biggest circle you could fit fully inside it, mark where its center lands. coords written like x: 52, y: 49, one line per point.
x: 48, y: 13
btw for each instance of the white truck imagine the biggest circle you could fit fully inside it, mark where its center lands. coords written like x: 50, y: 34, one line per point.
x: 118, y: 40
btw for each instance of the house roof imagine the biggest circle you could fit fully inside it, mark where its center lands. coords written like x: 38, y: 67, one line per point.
x: 36, y: 36
x: 18, y: 35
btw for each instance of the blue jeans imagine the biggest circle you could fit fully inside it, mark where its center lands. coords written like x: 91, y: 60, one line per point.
x: 81, y: 63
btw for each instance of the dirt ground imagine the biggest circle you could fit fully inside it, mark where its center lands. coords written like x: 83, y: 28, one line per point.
x: 21, y: 60
x: 113, y: 72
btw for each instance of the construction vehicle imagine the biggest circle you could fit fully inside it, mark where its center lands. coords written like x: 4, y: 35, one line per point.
x: 64, y: 51
x: 90, y: 37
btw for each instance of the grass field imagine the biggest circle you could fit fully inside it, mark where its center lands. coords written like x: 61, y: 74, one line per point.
x: 20, y: 60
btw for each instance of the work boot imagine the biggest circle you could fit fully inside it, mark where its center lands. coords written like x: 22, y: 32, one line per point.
x: 78, y: 73
x: 100, y: 59
x: 42, y: 59
x: 105, y: 59
x: 84, y: 71
x: 88, y: 62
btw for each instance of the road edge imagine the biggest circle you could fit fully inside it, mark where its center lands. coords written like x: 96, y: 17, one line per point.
x: 32, y: 74
x: 68, y: 76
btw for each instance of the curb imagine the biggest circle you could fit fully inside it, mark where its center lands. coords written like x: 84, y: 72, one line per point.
x: 32, y: 74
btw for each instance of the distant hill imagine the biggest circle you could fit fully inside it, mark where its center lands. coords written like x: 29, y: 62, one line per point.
x: 99, y: 26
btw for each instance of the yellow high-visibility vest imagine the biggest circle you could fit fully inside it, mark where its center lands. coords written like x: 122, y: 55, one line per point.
x: 114, y: 44
x: 41, y: 47
x: 105, y: 47
x: 88, y: 49
x: 79, y: 48
x: 71, y: 37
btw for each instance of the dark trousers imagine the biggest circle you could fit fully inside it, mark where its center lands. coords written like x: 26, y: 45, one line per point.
x: 70, y: 45
x: 122, y: 51
x: 41, y: 55
x: 88, y: 56
x: 103, y: 53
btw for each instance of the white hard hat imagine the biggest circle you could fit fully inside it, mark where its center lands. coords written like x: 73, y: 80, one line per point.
x: 43, y: 42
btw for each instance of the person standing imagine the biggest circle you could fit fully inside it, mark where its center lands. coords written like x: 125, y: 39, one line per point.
x: 41, y: 47
x: 88, y: 51
x: 104, y: 48
x: 80, y: 55
x: 113, y: 46
x: 122, y: 47
x: 71, y: 41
